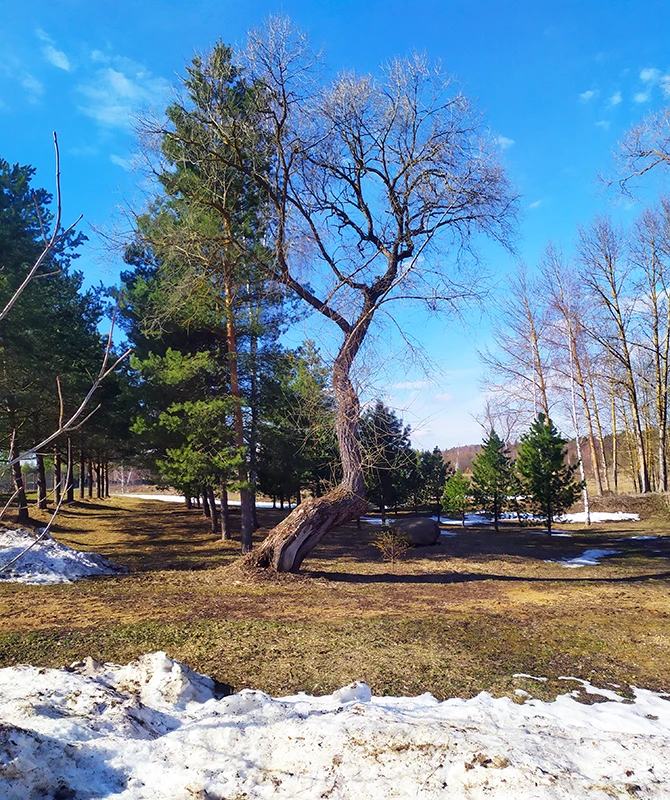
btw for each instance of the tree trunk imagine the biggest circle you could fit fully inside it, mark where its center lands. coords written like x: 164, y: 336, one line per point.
x: 90, y: 478
x: 22, y: 514
x: 42, y: 501
x: 205, y: 503
x: 246, y: 516
x: 213, y: 517
x: 106, y: 473
x: 58, y: 475
x: 188, y: 501
x: 615, y: 448
x: 288, y: 544
x: 225, y: 516
x: 254, y: 315
x: 98, y: 480
x: 82, y: 474
x: 70, y: 472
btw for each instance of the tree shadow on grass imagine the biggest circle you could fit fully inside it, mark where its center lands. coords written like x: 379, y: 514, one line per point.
x: 470, y: 577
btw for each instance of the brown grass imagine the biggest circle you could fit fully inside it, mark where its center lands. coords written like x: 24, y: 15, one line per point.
x: 452, y: 619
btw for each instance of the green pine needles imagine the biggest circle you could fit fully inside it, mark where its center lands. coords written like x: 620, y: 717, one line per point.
x: 546, y: 478
x: 493, y: 476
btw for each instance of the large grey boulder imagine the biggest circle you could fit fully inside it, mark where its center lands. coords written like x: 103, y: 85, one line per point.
x: 423, y: 530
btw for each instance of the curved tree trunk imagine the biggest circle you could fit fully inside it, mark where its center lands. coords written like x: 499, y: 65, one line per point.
x: 288, y: 544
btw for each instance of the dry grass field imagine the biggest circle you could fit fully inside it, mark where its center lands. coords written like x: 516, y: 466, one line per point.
x: 453, y: 619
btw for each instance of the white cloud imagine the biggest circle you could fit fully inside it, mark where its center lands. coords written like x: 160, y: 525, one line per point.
x: 99, y: 57
x: 588, y: 95
x: 124, y: 163
x: 410, y: 385
x: 504, y: 143
x: 535, y: 204
x: 665, y: 84
x: 33, y: 87
x: 114, y: 95
x: 444, y: 397
x: 641, y: 97
x: 650, y: 75
x: 56, y: 57
x: 615, y: 99
x: 603, y: 123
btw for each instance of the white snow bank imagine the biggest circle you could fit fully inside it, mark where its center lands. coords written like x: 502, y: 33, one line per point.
x: 600, y: 516
x: 154, y: 729
x: 589, y: 558
x: 48, y: 561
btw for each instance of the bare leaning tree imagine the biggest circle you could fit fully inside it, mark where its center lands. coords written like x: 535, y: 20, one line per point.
x: 374, y: 186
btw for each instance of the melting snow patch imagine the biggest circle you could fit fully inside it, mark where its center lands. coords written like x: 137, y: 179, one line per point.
x: 179, y: 498
x: 470, y: 519
x: 589, y: 558
x: 154, y: 729
x: 48, y: 561
x: 600, y: 516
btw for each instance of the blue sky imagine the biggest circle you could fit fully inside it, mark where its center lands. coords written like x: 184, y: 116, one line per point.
x: 559, y: 82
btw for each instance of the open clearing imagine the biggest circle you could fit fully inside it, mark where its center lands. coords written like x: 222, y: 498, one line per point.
x: 453, y: 620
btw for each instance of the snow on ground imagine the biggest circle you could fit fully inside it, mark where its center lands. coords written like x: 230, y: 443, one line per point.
x: 589, y: 558
x: 155, y: 729
x: 48, y: 561
x: 179, y: 498
x: 470, y: 519
x: 600, y: 516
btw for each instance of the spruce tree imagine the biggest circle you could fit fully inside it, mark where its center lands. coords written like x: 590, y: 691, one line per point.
x: 492, y: 472
x: 457, y: 495
x: 388, y: 452
x: 546, y: 478
x: 433, y: 474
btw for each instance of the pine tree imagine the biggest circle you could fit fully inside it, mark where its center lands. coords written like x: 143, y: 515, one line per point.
x: 492, y: 472
x: 457, y: 495
x: 50, y: 339
x: 546, y: 478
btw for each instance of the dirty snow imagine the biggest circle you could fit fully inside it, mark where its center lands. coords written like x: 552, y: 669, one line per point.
x: 48, y: 561
x: 589, y: 558
x: 154, y: 729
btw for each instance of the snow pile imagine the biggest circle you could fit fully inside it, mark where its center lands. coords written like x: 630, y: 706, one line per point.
x: 48, y: 561
x: 154, y: 729
x: 589, y: 558
x: 600, y: 516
